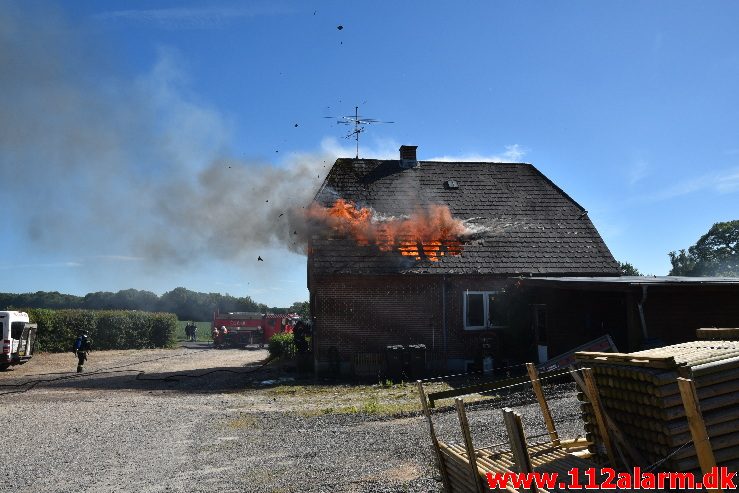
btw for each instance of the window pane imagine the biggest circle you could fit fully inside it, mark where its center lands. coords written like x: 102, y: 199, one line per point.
x: 16, y: 329
x: 496, y: 313
x: 475, y: 316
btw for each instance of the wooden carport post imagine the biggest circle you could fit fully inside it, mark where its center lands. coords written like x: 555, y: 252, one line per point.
x: 434, y: 441
x: 697, y: 426
x: 536, y: 383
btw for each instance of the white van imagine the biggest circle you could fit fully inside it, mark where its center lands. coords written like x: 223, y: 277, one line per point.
x: 18, y: 338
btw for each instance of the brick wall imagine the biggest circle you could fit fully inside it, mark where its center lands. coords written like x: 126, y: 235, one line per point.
x: 363, y: 314
x: 466, y: 344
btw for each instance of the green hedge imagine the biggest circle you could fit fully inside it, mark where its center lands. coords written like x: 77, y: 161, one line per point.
x: 282, y: 344
x: 109, y: 329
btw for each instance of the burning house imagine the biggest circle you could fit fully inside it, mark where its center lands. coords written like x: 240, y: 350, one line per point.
x: 420, y: 252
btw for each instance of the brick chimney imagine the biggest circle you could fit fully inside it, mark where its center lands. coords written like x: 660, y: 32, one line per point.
x: 408, y: 156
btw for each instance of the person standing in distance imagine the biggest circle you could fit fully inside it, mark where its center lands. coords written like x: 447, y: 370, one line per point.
x: 82, y: 346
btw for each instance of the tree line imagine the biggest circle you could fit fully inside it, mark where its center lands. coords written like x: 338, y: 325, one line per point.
x: 715, y: 254
x: 186, y: 304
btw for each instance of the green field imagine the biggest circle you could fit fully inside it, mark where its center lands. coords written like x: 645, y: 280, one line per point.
x: 203, y: 331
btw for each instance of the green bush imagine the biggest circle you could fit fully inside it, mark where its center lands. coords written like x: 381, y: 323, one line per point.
x: 164, y: 329
x: 109, y: 329
x: 282, y: 345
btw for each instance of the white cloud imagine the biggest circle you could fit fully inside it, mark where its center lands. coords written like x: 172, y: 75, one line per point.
x: 332, y: 148
x: 639, y: 170
x: 379, y: 149
x: 728, y: 182
x: 513, y: 154
x: 42, y: 265
x: 229, y: 284
x: 190, y: 18
x: 120, y: 258
x: 725, y: 181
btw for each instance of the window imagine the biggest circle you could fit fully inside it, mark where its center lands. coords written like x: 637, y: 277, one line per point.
x: 16, y: 330
x: 483, y: 310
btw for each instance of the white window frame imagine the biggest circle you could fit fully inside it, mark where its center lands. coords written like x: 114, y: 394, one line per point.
x: 485, y: 308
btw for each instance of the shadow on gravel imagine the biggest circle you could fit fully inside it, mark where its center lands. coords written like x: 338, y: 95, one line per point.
x: 209, y: 345
x: 210, y: 380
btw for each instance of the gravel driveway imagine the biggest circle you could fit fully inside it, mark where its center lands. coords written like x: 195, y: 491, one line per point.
x: 199, y: 419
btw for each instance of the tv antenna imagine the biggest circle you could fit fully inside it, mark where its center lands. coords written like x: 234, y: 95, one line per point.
x: 358, y: 122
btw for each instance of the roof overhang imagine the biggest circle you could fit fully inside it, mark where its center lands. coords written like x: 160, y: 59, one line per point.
x: 625, y: 283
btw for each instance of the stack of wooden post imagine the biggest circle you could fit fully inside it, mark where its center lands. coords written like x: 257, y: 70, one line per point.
x: 639, y: 391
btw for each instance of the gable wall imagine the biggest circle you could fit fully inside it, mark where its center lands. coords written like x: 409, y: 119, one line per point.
x: 364, y: 314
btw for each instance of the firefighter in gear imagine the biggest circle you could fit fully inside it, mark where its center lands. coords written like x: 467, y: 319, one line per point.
x: 82, y: 346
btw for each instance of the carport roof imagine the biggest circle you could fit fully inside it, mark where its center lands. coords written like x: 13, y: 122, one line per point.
x: 626, y: 281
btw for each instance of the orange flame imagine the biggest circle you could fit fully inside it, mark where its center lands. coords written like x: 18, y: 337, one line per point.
x: 428, y: 233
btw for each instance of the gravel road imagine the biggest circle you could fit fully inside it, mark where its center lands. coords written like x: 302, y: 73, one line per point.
x: 199, y: 419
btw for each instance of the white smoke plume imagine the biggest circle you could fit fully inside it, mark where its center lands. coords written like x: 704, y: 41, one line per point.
x: 92, y: 161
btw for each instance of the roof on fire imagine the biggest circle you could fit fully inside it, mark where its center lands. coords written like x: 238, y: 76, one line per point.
x: 530, y: 226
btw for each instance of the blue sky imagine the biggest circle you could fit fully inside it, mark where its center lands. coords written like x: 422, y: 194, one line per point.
x: 124, y: 121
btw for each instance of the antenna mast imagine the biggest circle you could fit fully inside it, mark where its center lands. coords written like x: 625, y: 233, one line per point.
x: 358, y: 123
x: 357, y: 129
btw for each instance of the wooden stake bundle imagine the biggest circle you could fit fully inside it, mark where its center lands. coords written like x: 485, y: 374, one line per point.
x: 720, y: 334
x: 641, y: 391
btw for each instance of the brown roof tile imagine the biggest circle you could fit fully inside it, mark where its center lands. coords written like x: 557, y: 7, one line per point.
x: 533, y: 226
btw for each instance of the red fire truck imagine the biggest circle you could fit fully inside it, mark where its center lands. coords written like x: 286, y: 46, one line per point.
x: 249, y: 328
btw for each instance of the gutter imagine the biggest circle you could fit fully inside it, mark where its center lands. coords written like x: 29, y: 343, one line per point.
x: 443, y: 316
x: 644, y: 288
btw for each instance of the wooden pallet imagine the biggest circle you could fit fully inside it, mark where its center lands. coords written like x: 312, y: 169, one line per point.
x: 544, y: 457
x: 464, y: 468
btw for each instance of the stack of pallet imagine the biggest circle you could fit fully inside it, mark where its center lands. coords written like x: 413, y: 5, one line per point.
x: 639, y: 391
